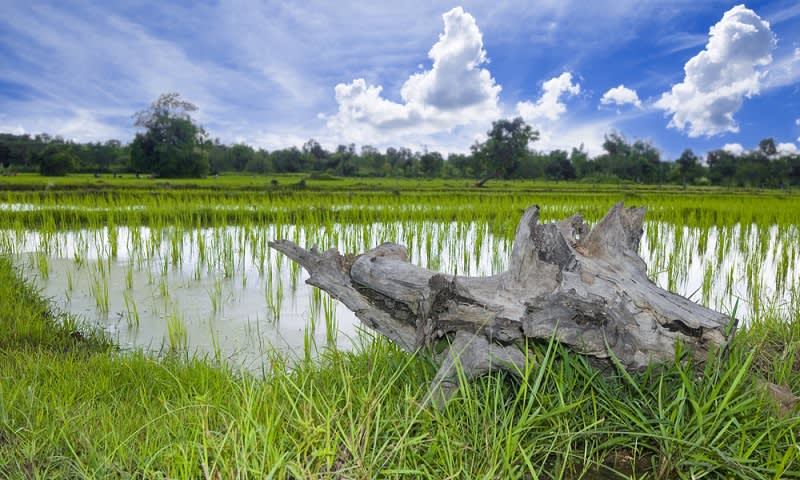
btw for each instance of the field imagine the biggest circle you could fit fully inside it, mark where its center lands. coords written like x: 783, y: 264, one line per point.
x: 148, y: 331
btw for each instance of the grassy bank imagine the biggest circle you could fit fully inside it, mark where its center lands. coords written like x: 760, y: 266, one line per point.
x: 73, y: 406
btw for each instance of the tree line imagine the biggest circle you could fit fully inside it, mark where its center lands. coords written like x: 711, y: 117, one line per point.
x: 171, y: 144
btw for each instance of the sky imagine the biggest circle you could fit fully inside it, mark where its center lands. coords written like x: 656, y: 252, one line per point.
x: 420, y: 74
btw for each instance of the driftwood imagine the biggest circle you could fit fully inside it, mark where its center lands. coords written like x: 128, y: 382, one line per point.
x: 587, y: 288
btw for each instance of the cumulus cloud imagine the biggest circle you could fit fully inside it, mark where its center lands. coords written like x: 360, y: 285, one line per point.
x: 717, y: 79
x: 549, y: 106
x: 621, y: 95
x: 788, y: 148
x: 455, y: 91
x: 733, y: 148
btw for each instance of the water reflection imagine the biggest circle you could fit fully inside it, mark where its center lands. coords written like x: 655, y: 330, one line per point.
x: 223, y: 292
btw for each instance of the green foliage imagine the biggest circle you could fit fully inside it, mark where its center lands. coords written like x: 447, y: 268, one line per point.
x: 506, y: 145
x: 5, y: 155
x: 639, y: 162
x: 241, y: 155
x: 57, y: 161
x: 186, y: 152
x: 172, y: 145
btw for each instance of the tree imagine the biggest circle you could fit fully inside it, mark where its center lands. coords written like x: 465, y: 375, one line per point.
x: 581, y: 163
x: 767, y: 147
x: 721, y: 166
x: 241, y: 155
x: 558, y: 166
x: 506, y: 144
x: 57, y: 161
x: 431, y: 164
x: 689, y: 167
x: 5, y: 155
x: 172, y: 145
x: 316, y: 156
x: 260, y: 163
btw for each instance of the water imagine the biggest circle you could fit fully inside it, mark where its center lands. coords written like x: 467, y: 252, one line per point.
x: 223, y: 292
x: 223, y: 289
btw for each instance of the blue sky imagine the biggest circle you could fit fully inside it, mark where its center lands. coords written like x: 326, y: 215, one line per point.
x: 699, y: 74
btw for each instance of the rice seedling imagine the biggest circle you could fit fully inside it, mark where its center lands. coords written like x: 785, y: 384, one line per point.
x: 131, y: 311
x: 176, y: 332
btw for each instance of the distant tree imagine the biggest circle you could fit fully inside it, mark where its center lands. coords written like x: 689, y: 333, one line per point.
x: 639, y: 161
x: 55, y: 161
x: 342, y: 161
x: 461, y: 165
x: 172, y: 145
x: 581, y: 163
x: 287, y: 160
x: 689, y: 168
x: 558, y: 166
x: 767, y: 147
x: 371, y: 160
x: 241, y: 155
x: 506, y: 144
x: 721, y: 166
x: 5, y: 155
x: 531, y: 165
x: 431, y: 164
x: 260, y: 163
x: 316, y: 155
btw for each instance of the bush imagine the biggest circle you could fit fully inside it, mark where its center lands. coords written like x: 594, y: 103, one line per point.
x: 57, y: 163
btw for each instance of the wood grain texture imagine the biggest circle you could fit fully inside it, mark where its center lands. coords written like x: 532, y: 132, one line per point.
x: 585, y: 287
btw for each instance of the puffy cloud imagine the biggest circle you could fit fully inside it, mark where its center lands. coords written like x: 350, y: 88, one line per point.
x: 733, y: 148
x: 455, y: 91
x: 719, y: 78
x: 787, y: 148
x: 621, y: 95
x: 549, y: 106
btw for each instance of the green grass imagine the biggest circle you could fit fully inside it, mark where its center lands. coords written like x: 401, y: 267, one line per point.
x: 72, y: 406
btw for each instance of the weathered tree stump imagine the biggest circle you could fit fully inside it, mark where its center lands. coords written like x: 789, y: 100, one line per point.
x: 587, y: 288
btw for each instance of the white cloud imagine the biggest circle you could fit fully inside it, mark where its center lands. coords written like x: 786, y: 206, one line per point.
x: 734, y: 148
x: 589, y: 134
x: 549, y: 106
x: 621, y: 95
x: 787, y: 148
x: 454, y: 92
x: 722, y: 75
x: 16, y: 129
x: 546, y: 115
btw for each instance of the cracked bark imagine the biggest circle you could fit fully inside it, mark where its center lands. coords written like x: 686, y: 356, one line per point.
x: 588, y: 288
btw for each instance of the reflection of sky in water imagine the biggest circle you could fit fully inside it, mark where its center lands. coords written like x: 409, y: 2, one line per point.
x: 233, y: 269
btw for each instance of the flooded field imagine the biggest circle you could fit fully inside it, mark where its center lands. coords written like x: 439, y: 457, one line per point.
x: 222, y: 292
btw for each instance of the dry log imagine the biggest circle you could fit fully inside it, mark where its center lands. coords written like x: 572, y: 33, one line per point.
x: 587, y: 288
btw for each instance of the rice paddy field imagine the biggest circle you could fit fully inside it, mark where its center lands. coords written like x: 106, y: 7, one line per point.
x: 148, y: 331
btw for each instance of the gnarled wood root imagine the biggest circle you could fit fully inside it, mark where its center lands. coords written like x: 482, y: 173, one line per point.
x: 588, y: 288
